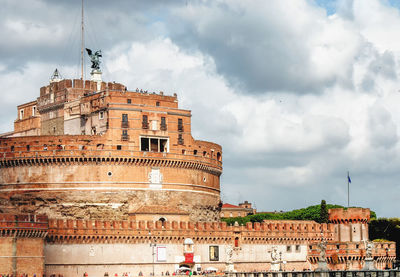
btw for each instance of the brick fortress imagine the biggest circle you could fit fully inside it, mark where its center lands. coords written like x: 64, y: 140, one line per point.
x: 99, y: 179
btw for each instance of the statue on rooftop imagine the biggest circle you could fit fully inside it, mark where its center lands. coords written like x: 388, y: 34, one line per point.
x: 368, y: 249
x: 322, y: 247
x: 95, y: 59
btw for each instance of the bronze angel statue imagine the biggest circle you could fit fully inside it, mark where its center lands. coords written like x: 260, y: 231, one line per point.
x: 94, y: 58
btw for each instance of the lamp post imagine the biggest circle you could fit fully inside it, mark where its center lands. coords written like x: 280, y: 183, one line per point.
x: 152, y: 245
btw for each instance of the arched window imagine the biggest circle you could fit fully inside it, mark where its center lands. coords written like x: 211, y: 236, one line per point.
x: 162, y: 219
x: 219, y: 156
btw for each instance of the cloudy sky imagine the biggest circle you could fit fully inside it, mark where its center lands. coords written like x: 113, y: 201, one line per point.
x: 297, y: 92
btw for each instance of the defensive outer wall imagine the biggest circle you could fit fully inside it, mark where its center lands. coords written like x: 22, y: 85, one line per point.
x: 73, y: 247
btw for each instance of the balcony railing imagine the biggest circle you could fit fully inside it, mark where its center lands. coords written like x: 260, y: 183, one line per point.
x: 145, y: 125
x: 124, y: 124
x: 125, y: 137
x: 163, y: 127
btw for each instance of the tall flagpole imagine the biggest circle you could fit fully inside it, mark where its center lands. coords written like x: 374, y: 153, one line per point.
x: 348, y: 190
x: 82, y: 44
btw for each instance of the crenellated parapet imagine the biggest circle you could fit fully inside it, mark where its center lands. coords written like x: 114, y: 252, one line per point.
x: 20, y: 151
x: 349, y: 215
x: 23, y: 225
x: 175, y: 232
x: 339, y: 254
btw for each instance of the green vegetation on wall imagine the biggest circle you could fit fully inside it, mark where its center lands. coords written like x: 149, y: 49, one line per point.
x: 384, y: 229
x: 309, y: 213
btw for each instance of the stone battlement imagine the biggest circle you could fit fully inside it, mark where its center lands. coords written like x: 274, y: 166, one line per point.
x: 81, y: 148
x: 350, y: 215
x: 92, y: 87
x: 81, y: 230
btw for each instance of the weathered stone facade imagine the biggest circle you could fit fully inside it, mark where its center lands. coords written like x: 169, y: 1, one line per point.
x: 123, y: 149
x: 120, y: 176
x: 73, y: 247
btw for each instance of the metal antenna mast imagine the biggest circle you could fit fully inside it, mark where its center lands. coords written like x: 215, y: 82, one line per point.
x: 82, y: 44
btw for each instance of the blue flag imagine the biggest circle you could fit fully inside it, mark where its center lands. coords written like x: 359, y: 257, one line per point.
x: 348, y: 178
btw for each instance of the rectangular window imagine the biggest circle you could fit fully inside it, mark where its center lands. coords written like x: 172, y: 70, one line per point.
x: 297, y: 248
x: 288, y: 248
x: 154, y: 144
x: 163, y: 145
x: 214, y: 253
x: 163, y: 125
x: 180, y: 139
x: 125, y: 123
x: 180, y: 125
x: 101, y: 115
x: 144, y: 144
x: 129, y: 101
x: 125, y: 135
x: 119, y: 147
x: 145, y: 122
x: 33, y: 110
x: 21, y: 114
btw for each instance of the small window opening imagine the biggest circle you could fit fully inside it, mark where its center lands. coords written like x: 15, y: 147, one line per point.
x: 33, y: 110
x: 157, y: 103
x: 100, y: 146
x: 236, y: 242
x: 154, y: 145
x: 119, y: 147
x: 21, y: 114
x: 125, y: 135
x: 129, y: 101
x: 28, y: 148
x: 219, y: 158
x: 180, y: 125
x: 180, y: 139
x: 288, y: 248
x: 163, y: 145
x: 101, y: 115
x: 124, y: 123
x: 145, y: 122
x: 163, y: 125
x: 12, y: 148
x: 144, y: 144
x: 297, y: 247
x: 109, y: 173
x: 195, y: 152
x: 45, y: 147
x: 183, y: 152
x: 204, y: 153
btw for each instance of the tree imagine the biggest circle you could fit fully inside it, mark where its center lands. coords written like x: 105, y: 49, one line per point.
x: 323, y: 215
